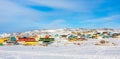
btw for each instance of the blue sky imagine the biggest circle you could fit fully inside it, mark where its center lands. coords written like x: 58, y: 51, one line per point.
x: 23, y: 15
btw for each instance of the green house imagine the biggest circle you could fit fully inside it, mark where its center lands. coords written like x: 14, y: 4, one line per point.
x: 13, y: 39
x: 1, y: 44
x: 47, y: 39
x: 70, y: 37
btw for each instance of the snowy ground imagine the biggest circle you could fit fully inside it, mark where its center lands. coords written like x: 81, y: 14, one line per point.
x: 62, y: 52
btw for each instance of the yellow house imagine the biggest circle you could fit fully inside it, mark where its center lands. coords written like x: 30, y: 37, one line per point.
x: 31, y: 43
x: 2, y: 40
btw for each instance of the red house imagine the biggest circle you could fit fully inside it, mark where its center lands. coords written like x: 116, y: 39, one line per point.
x: 26, y: 39
x: 47, y: 36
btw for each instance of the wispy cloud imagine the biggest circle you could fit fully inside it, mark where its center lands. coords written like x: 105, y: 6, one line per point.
x: 103, y: 22
x: 70, y: 5
x: 58, y: 23
x: 104, y: 19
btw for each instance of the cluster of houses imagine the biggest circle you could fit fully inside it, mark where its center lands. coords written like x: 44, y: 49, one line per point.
x: 18, y: 40
x: 47, y: 37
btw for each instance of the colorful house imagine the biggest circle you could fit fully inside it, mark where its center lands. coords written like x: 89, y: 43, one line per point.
x: 31, y: 43
x: 72, y: 38
x: 3, y: 40
x: 26, y: 40
x: 47, y: 41
x: 13, y: 39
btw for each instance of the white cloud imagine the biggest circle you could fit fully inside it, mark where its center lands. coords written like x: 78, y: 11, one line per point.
x: 14, y: 17
x: 59, y: 23
x: 113, y: 17
x: 103, y: 19
x: 76, y: 5
x: 56, y: 23
x: 12, y: 12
